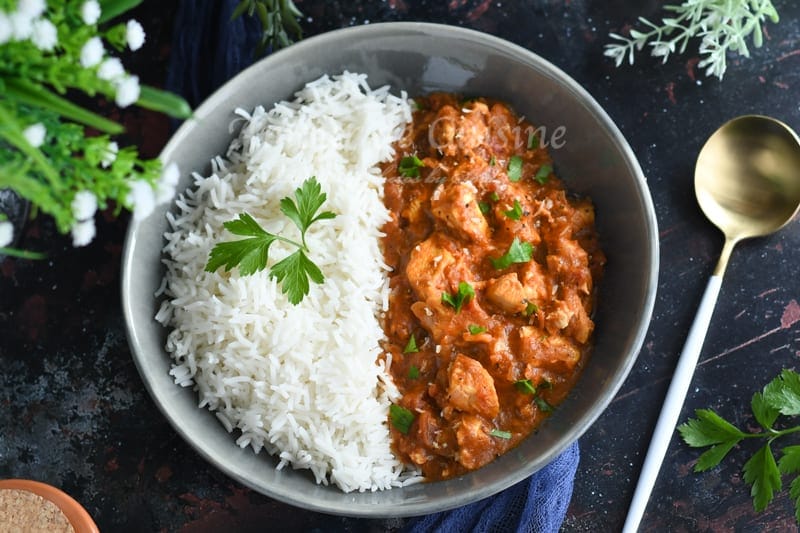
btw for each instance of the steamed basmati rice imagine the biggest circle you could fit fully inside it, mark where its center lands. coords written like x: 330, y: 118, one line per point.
x: 304, y: 381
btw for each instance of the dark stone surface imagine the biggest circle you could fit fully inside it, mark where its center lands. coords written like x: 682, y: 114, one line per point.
x: 74, y: 412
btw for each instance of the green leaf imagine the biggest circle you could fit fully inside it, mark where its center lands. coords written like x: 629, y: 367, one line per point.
x: 764, y: 412
x: 245, y: 225
x: 783, y: 393
x: 533, y: 140
x: 543, y: 404
x: 411, y: 345
x: 515, y: 168
x: 500, y: 434
x: 762, y: 474
x: 518, y: 252
x: 457, y: 300
x: 113, y: 8
x: 413, y: 372
x: 707, y: 429
x: 525, y: 386
x: 409, y: 166
x: 714, y: 455
x: 790, y: 460
x: 401, y: 418
x: 293, y: 273
x: 543, y: 174
x: 309, y: 198
x: 163, y: 102
x: 475, y: 329
x: 515, y: 213
x: 794, y: 493
x: 250, y: 255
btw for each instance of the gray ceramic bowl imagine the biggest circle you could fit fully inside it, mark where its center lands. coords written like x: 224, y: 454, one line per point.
x: 594, y: 159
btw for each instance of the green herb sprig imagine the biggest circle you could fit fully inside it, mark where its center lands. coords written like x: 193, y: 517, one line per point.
x: 518, y: 252
x: 464, y: 294
x: 720, y: 27
x: 763, y: 472
x: 278, y: 20
x: 251, y: 255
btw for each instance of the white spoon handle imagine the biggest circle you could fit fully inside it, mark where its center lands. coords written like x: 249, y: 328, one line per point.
x: 673, y: 403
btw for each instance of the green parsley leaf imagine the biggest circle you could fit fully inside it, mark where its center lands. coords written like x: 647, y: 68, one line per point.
x: 494, y: 196
x: 518, y: 252
x: 251, y: 255
x: 401, y: 418
x: 533, y: 140
x: 783, y: 393
x: 409, y: 166
x: 464, y: 294
x: 707, y: 429
x: 500, y: 434
x: 530, y: 308
x: 525, y: 386
x: 762, y: 474
x: 515, y: 213
x: 790, y: 460
x: 413, y: 372
x: 543, y: 174
x: 492, y: 161
x: 411, y: 345
x: 765, y: 413
x: 484, y: 207
x: 542, y: 404
x: 515, y: 168
x: 794, y: 493
x: 475, y: 329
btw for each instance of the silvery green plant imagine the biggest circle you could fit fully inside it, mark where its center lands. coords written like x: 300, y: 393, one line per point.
x: 55, y: 153
x: 721, y: 26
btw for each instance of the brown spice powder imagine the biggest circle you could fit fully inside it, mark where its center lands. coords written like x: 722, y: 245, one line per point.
x: 22, y: 511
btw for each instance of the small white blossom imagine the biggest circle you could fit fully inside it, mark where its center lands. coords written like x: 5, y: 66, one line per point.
x: 6, y: 29
x: 141, y: 199
x: 90, y: 12
x: 21, y: 26
x: 35, y: 134
x: 45, y: 34
x: 127, y: 91
x: 165, y: 188
x: 110, y: 156
x: 134, y: 34
x: 84, y: 205
x: 6, y: 233
x: 83, y: 232
x: 31, y: 8
x: 92, y: 52
x: 110, y: 69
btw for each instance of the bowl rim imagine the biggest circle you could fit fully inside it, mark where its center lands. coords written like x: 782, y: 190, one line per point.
x: 545, y: 67
x: 76, y: 515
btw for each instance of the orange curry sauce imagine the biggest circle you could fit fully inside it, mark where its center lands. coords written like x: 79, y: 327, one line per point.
x: 484, y: 214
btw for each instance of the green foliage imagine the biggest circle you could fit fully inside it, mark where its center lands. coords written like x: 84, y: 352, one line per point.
x: 278, y: 20
x: 721, y: 26
x: 780, y: 397
x: 251, y: 255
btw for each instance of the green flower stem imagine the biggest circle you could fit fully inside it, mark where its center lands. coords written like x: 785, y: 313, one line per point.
x: 164, y: 102
x: 13, y: 135
x: 113, y: 8
x: 22, y: 254
x: 36, y: 96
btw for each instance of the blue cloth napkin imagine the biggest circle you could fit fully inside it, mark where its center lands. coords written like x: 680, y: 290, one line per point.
x: 207, y: 50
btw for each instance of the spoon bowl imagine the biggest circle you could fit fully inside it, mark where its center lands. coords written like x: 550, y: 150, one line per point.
x: 747, y: 182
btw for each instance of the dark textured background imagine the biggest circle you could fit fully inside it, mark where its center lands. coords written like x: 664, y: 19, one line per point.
x: 74, y: 413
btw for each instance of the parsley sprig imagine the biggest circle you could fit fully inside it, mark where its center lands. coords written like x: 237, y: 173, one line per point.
x: 780, y: 397
x: 250, y: 255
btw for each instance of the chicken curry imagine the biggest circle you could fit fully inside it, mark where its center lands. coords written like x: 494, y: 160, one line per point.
x: 494, y: 266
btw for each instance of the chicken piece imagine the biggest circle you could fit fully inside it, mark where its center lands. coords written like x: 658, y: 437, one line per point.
x: 456, y: 204
x: 472, y: 129
x: 442, y: 131
x: 570, y: 263
x: 426, y: 268
x: 475, y: 445
x: 507, y: 293
x: 471, y: 387
x: 553, y: 352
x: 570, y: 316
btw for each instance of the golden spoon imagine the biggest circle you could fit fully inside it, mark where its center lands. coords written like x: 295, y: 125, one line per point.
x: 747, y: 182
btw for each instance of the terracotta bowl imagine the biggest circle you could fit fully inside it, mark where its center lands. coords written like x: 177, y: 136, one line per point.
x: 76, y: 515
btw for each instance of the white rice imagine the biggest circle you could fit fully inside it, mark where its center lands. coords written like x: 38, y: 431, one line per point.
x: 300, y: 381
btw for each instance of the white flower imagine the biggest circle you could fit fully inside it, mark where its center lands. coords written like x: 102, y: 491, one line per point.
x: 21, y: 26
x: 110, y: 155
x: 31, y: 8
x: 90, y: 12
x: 127, y: 91
x: 35, y: 134
x: 141, y: 199
x: 92, y: 52
x: 134, y: 34
x: 6, y: 233
x: 110, y: 69
x: 6, y: 29
x: 165, y: 188
x: 45, y: 34
x: 84, y: 205
x: 83, y: 232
